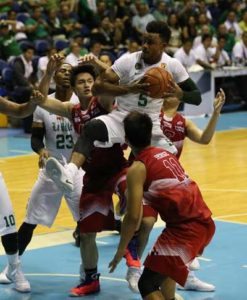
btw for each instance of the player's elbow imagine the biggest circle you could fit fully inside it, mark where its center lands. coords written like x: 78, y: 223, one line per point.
x: 205, y: 141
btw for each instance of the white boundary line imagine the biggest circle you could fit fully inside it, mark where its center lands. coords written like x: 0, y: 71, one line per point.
x: 70, y: 275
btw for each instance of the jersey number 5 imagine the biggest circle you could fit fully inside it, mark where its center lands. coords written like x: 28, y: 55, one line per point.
x: 143, y: 100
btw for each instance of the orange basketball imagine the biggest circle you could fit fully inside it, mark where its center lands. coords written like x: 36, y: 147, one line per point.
x: 158, y: 78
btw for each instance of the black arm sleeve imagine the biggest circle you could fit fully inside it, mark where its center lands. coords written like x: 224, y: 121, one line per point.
x: 191, y: 93
x: 37, y: 138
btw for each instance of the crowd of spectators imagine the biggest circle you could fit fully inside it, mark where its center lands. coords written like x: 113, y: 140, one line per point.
x: 205, y: 34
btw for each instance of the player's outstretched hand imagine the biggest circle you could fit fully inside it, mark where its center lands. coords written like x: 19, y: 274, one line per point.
x: 219, y: 101
x: 113, y: 264
x: 54, y: 63
x: 37, y: 97
x: 88, y: 59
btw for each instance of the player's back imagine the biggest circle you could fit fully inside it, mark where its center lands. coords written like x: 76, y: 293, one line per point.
x: 169, y: 190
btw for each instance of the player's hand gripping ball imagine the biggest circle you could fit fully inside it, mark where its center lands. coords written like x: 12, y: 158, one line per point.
x: 159, y: 82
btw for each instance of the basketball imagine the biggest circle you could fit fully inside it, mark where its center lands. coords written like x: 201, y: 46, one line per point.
x: 158, y: 78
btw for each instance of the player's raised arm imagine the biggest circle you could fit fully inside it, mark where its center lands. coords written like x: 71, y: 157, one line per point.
x: 53, y: 65
x: 18, y: 110
x: 205, y: 136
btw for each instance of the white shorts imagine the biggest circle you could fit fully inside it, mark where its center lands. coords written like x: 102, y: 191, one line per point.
x: 115, y: 128
x: 45, y: 200
x: 7, y: 218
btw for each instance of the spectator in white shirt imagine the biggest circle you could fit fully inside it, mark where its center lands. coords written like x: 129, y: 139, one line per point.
x: 232, y: 24
x: 239, y: 51
x: 140, y: 21
x: 74, y: 56
x: 198, y: 40
x: 185, y: 54
x: 204, y: 53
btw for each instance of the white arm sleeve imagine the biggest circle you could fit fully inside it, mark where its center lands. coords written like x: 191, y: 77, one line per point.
x: 38, y: 115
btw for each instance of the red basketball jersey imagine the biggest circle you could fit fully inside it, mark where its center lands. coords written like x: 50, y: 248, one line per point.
x: 174, y: 129
x: 169, y: 190
x: 80, y: 117
x: 103, y: 162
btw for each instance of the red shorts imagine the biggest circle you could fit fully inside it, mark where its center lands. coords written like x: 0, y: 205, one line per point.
x: 96, y: 207
x: 149, y: 211
x: 176, y: 247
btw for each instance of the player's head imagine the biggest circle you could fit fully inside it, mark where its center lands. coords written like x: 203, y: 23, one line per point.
x: 62, y: 76
x: 138, y: 130
x: 82, y: 79
x: 155, y: 40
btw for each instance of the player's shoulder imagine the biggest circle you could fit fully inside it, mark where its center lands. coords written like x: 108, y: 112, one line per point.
x: 168, y: 60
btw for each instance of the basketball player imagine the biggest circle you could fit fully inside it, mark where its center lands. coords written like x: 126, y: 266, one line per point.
x: 120, y: 81
x: 8, y: 231
x: 105, y: 174
x: 157, y: 176
x: 176, y: 128
x: 59, y: 135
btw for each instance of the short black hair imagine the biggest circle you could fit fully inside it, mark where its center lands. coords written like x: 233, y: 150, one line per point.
x: 87, y: 68
x: 138, y: 129
x: 222, y: 36
x: 161, y: 28
x: 206, y: 36
x: 27, y: 46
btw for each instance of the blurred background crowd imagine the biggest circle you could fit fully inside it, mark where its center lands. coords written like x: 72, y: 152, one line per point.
x: 205, y: 34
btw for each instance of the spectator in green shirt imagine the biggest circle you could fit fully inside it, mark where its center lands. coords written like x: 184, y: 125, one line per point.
x: 8, y: 44
x: 5, y: 5
x: 36, y: 26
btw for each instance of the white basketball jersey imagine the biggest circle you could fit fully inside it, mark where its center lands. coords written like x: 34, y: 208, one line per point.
x: 131, y: 67
x: 59, y: 132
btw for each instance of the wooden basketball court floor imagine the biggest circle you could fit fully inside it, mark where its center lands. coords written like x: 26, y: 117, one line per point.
x: 220, y: 168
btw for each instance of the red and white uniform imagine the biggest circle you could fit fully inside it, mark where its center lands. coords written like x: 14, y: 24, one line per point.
x: 105, y: 174
x: 175, y: 129
x: 178, y: 200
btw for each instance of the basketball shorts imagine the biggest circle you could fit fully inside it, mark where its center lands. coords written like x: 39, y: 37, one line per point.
x: 7, y: 218
x: 96, y: 207
x: 45, y: 200
x: 176, y: 247
x: 115, y: 128
x: 149, y: 211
